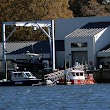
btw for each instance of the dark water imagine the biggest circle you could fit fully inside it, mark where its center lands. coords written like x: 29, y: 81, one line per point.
x: 69, y: 97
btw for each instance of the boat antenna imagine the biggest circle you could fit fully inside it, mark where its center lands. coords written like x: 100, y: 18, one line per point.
x: 76, y: 60
x: 82, y: 60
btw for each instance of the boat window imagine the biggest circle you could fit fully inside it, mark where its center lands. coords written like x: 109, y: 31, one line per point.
x: 81, y: 74
x: 73, y: 74
x: 28, y: 74
x: 77, y: 74
x: 15, y: 74
x: 20, y: 75
x: 46, y: 76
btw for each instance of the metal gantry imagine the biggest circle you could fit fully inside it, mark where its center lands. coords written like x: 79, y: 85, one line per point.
x: 36, y: 25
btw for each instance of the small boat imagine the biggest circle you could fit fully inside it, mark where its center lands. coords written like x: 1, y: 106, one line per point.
x: 76, y: 76
x: 32, y: 60
x: 21, y: 78
x: 79, y: 77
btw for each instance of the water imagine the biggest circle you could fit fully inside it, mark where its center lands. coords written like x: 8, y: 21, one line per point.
x: 62, y: 97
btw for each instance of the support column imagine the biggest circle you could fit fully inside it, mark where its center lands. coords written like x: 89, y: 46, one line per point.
x: 53, y: 45
x: 4, y: 48
x: 50, y: 43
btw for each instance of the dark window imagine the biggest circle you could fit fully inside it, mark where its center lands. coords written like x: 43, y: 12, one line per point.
x: 15, y: 74
x: 77, y: 74
x: 78, y: 45
x: 73, y: 74
x: 19, y: 74
x: 81, y: 74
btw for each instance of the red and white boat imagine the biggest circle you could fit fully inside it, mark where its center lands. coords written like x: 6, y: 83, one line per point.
x: 77, y: 76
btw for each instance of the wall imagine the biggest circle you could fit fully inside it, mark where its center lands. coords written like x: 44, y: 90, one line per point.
x: 60, y: 58
x: 89, y: 49
x: 103, y: 39
x: 101, y: 76
x: 63, y: 27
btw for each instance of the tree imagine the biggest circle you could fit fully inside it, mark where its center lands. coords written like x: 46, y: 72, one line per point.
x: 88, y: 8
x: 28, y: 10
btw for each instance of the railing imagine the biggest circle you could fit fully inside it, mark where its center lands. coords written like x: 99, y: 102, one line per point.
x: 55, y: 76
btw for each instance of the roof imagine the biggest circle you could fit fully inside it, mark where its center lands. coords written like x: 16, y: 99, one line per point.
x: 89, y: 30
x: 37, y: 47
x: 13, y: 46
x: 105, y: 52
x: 106, y: 49
x: 96, y: 25
x: 23, y: 47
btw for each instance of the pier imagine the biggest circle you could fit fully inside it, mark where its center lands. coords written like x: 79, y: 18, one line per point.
x: 101, y: 76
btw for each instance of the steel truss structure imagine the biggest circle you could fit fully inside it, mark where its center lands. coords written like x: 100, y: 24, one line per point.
x: 36, y: 25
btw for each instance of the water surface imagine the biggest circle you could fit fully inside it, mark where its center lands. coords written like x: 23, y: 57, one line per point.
x: 59, y: 97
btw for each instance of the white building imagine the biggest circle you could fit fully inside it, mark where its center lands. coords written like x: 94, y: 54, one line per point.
x: 82, y: 38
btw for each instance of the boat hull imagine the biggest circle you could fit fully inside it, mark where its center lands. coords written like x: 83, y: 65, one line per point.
x: 21, y: 83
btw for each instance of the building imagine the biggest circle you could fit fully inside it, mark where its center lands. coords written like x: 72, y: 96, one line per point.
x: 83, y: 40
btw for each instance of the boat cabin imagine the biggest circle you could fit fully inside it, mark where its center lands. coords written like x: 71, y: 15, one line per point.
x: 22, y: 75
x: 76, y: 74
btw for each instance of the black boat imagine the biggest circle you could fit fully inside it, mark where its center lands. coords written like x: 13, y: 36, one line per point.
x: 29, y: 63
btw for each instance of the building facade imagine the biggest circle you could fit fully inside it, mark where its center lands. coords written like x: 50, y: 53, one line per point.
x: 83, y: 39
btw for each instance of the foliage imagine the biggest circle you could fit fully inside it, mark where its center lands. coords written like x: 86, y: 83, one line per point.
x: 28, y: 10
x: 88, y: 8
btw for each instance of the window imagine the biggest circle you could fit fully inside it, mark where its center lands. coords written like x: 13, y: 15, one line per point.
x: 15, y: 74
x: 73, y: 74
x: 28, y: 74
x: 20, y: 75
x: 77, y: 74
x: 81, y: 74
x: 78, y: 45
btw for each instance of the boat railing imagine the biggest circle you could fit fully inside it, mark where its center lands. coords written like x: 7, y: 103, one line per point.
x: 78, y: 66
x: 54, y: 76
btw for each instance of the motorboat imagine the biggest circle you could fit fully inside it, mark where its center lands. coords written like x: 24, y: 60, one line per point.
x: 77, y: 76
x: 29, y: 63
x: 21, y: 78
x: 32, y: 60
